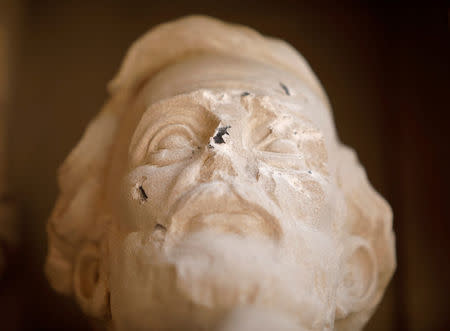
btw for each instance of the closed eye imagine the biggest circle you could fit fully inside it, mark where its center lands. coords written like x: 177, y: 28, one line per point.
x: 283, y: 146
x: 282, y: 154
x: 174, y: 141
x: 171, y: 144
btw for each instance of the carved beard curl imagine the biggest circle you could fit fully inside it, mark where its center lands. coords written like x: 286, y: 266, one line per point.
x: 207, y: 275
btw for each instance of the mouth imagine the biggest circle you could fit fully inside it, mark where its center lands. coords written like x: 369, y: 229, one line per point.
x: 217, y: 207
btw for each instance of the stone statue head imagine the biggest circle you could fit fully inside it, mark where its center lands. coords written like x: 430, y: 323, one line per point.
x: 212, y: 193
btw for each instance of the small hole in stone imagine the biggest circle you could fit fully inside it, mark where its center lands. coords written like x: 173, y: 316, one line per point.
x: 218, y: 138
x: 160, y: 227
x: 310, y: 172
x: 143, y: 194
x: 285, y: 89
x: 245, y: 94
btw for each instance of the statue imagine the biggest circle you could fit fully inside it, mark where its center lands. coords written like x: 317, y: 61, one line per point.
x: 212, y: 193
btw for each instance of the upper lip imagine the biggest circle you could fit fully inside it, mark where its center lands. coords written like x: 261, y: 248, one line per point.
x: 220, y: 198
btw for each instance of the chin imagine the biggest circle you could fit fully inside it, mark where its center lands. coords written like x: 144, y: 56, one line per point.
x: 208, y: 275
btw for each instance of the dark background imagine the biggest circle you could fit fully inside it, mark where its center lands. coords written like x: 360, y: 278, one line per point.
x: 385, y: 69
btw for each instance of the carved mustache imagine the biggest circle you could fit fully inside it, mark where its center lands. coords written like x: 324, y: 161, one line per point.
x: 224, y: 207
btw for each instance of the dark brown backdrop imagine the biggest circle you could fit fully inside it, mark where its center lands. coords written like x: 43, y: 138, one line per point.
x: 385, y: 70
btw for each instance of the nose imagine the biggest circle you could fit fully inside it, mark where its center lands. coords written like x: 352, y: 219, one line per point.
x: 217, y: 165
x: 226, y: 157
x: 222, y: 159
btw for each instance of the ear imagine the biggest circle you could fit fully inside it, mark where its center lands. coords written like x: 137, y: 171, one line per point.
x: 369, y: 254
x: 359, y: 278
x: 89, y: 282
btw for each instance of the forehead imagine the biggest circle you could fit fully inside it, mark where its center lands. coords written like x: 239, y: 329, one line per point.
x: 230, y: 105
x: 244, y: 110
x: 210, y: 90
x: 234, y: 77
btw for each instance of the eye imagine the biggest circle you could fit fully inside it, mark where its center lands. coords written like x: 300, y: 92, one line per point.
x: 283, y: 146
x: 175, y: 141
x: 171, y: 144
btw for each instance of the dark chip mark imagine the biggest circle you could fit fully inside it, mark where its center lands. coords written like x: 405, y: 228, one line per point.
x: 285, y: 89
x: 218, y: 138
x: 160, y: 227
x: 245, y: 94
x: 144, y: 195
x: 310, y: 172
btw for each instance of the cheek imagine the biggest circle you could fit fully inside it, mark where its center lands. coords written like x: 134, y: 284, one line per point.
x: 129, y: 283
x: 142, y: 286
x: 299, y: 196
x: 144, y: 195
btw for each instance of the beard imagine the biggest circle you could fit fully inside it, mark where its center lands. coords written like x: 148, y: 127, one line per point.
x: 195, y: 283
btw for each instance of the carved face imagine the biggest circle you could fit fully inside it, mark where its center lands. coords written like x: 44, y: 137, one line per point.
x: 226, y: 187
x: 228, y: 203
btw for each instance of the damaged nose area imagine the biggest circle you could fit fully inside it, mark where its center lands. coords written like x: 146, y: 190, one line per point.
x: 217, y: 166
x: 218, y: 162
x: 227, y: 157
x: 219, y: 136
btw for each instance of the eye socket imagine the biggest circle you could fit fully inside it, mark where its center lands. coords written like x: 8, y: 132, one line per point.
x: 282, y: 146
x: 171, y: 144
